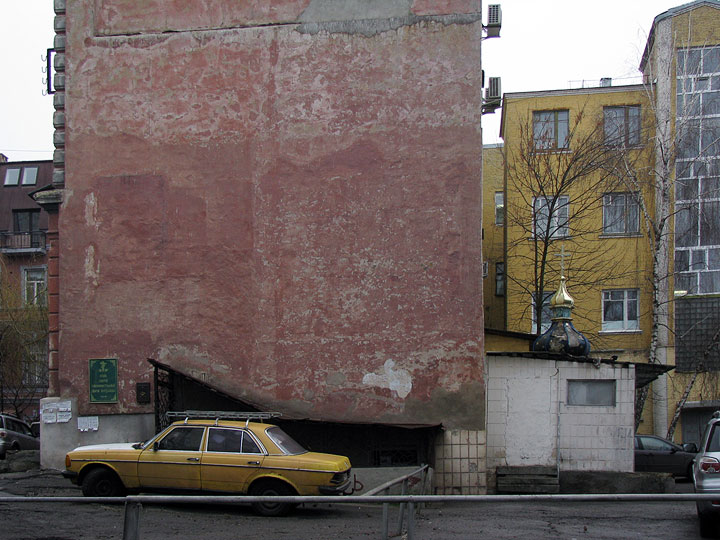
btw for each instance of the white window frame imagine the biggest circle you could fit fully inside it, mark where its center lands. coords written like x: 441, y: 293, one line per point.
x: 551, y: 129
x: 39, y: 287
x: 592, y: 392
x: 619, y: 129
x: 630, y: 223
x: 629, y: 301
x: 559, y: 218
x: 499, y: 208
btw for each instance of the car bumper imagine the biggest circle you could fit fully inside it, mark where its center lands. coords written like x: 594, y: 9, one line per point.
x: 336, y: 490
x: 70, y: 475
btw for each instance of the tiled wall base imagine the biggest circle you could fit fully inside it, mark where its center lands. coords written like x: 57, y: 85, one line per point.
x: 460, y: 463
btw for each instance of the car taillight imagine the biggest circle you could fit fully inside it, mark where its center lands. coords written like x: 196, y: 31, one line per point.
x: 68, y: 461
x: 709, y: 465
x: 3, y: 434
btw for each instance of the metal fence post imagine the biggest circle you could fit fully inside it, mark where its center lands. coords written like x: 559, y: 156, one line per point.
x: 402, y: 507
x: 386, y: 509
x: 411, y: 521
x: 131, y: 530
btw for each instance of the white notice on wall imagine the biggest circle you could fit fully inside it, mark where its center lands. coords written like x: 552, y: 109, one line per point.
x: 49, y: 416
x: 63, y: 416
x: 88, y: 423
x: 64, y: 406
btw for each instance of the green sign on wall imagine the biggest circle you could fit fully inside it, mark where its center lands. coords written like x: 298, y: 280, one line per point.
x: 103, y: 380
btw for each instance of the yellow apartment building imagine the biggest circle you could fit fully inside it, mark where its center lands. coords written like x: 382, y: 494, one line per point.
x: 493, y: 246
x: 583, y: 175
x: 575, y: 188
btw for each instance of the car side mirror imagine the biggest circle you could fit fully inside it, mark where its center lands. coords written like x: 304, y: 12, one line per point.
x: 690, y: 447
x: 156, y: 446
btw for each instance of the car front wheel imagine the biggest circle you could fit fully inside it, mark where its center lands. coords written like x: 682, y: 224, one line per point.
x: 274, y: 488
x: 102, y: 483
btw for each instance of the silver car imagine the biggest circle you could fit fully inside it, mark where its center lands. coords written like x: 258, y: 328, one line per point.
x: 706, y: 477
x: 16, y: 435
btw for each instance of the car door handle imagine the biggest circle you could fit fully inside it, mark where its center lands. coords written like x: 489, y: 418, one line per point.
x: 253, y: 463
x: 193, y: 459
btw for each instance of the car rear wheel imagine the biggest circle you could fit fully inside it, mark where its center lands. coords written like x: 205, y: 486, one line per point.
x: 267, y: 488
x: 708, y: 525
x: 102, y: 483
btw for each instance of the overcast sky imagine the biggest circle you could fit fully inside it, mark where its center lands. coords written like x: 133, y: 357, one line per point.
x: 544, y: 45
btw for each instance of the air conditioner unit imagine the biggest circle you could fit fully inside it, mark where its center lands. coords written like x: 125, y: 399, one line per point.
x: 492, y: 92
x: 493, y: 96
x: 494, y: 21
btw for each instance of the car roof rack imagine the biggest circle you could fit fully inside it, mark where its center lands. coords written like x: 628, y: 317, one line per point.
x: 222, y: 415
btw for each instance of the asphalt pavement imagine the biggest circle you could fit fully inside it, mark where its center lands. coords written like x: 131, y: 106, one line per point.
x: 441, y: 521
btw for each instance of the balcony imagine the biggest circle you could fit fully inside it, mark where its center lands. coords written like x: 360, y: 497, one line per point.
x: 22, y: 243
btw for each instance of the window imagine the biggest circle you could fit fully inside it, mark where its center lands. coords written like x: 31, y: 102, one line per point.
x: 13, y: 174
x: 499, y: 208
x: 231, y: 440
x: 593, y: 392
x: 550, y: 130
x: 486, y: 267
x: 651, y: 443
x: 620, y: 310
x: 35, y: 366
x: 35, y: 286
x: 620, y: 214
x: 26, y: 220
x: 12, y: 177
x: 622, y: 125
x: 550, y: 217
x: 284, y: 442
x: 500, y: 279
x: 545, y: 315
x: 182, y: 438
x: 29, y: 176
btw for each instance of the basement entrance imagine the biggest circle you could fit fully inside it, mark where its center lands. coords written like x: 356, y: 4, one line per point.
x: 367, y: 445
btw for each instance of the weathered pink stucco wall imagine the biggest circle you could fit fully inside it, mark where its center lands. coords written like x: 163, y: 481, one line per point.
x: 290, y: 211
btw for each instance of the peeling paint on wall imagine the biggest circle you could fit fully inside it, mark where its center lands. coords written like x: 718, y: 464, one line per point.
x: 398, y: 380
x: 92, y: 267
x: 91, y: 211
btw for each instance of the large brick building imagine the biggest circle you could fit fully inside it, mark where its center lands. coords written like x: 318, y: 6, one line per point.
x: 277, y: 203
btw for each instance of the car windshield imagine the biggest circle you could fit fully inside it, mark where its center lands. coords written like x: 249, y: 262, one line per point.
x: 284, y: 441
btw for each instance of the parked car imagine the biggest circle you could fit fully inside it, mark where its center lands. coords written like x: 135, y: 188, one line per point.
x: 211, y: 455
x: 655, y: 454
x: 706, y: 477
x: 16, y: 435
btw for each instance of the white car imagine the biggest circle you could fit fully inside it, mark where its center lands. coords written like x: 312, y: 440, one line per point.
x: 706, y: 477
x: 16, y: 435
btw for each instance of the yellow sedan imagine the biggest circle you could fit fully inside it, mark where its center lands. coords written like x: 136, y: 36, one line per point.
x: 211, y: 456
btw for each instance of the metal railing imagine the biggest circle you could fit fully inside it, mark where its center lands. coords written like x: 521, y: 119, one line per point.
x: 424, y: 472
x: 22, y: 241
x: 133, y: 503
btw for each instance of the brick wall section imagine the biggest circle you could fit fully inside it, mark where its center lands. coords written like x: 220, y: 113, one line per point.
x: 287, y: 210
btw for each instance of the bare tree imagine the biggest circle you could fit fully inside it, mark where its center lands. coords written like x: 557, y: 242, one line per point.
x: 556, y: 184
x: 23, y: 345
x: 681, y: 147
